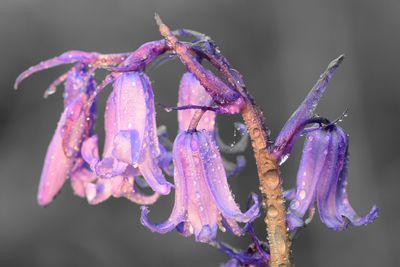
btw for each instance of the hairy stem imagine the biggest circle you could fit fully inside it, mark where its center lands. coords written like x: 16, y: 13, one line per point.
x: 268, y: 170
x: 270, y: 187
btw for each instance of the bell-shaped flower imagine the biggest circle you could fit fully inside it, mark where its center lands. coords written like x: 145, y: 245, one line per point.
x: 136, y: 142
x: 192, y: 93
x: 293, y: 128
x: 76, y: 122
x: 63, y: 154
x: 322, y: 178
x: 202, y: 196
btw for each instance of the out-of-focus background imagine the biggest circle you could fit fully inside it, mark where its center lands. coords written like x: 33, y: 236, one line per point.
x: 280, y: 47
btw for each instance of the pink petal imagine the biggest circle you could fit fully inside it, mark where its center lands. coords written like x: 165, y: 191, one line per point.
x: 217, y: 181
x: 56, y: 168
x: 181, y: 197
x: 191, y: 92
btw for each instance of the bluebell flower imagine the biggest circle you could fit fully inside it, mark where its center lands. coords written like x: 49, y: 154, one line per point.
x: 202, y: 194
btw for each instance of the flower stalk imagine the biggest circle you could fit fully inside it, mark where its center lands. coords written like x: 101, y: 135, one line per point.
x: 268, y: 170
x: 138, y: 155
x: 270, y: 187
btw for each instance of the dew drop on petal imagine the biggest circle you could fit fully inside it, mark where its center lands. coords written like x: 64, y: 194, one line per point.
x: 302, y: 194
x: 295, y: 204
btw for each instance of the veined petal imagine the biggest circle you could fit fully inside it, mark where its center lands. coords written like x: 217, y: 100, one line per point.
x: 202, y: 211
x: 293, y: 127
x: 57, y: 167
x: 181, y: 196
x: 79, y: 80
x: 342, y: 201
x: 131, y: 111
x: 328, y: 182
x: 153, y: 175
x: 191, y: 92
x: 110, y: 166
x: 76, y: 126
x: 312, y: 162
x: 136, y: 142
x: 215, y: 175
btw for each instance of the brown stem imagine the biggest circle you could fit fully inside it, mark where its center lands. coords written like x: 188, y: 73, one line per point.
x: 270, y: 187
x: 267, y: 166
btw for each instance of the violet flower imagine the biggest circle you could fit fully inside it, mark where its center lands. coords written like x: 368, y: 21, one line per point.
x: 202, y: 197
x: 322, y: 178
x: 74, y: 125
x: 322, y: 173
x: 76, y: 122
x: 192, y: 93
x: 293, y: 128
x: 136, y: 142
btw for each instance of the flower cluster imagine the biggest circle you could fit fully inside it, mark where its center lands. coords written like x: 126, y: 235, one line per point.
x: 137, y: 154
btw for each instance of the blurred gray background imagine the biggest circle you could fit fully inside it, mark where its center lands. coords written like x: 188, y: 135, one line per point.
x: 280, y: 47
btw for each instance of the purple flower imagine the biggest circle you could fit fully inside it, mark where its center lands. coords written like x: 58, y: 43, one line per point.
x: 300, y: 118
x: 63, y: 153
x: 76, y: 122
x: 192, y: 93
x: 202, y: 196
x: 136, y: 141
x: 322, y: 178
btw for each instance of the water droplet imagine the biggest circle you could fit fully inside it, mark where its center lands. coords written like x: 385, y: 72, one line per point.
x: 272, y: 179
x: 302, y: 194
x: 283, y: 159
x: 256, y: 132
x: 272, y: 211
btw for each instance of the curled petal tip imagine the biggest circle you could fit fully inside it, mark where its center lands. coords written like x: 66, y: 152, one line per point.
x: 206, y: 234
x: 158, y: 228
x: 367, y: 219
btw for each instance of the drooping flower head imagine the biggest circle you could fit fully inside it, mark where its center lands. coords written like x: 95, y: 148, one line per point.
x: 202, y: 197
x: 76, y: 122
x: 136, y: 141
x: 322, y: 173
x: 74, y: 126
x: 192, y: 93
x: 322, y: 178
x: 115, y: 178
x: 293, y: 128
